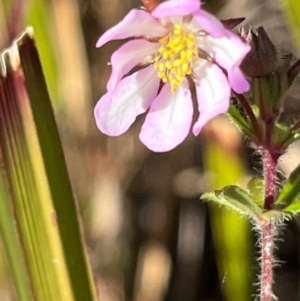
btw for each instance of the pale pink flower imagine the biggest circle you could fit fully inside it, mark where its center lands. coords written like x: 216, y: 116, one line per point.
x: 177, y: 44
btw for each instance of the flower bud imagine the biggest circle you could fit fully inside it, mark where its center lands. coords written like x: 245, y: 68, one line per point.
x: 262, y: 60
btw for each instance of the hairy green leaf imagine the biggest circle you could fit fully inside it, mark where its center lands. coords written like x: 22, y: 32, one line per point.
x: 236, y: 199
x: 239, y: 120
x: 256, y: 187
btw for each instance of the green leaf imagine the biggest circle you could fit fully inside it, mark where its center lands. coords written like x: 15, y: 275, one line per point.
x: 39, y: 17
x: 236, y: 199
x: 10, y: 237
x: 294, y: 136
x: 267, y: 93
x: 240, y: 121
x: 42, y: 199
x: 293, y: 208
x: 282, y: 134
x: 290, y: 192
x: 256, y: 187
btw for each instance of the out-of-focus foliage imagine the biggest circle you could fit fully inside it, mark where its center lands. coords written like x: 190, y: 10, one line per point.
x: 292, y: 9
x: 37, y: 13
x: 225, y: 166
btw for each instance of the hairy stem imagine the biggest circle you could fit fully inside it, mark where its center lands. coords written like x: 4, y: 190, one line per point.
x: 270, y: 161
x: 267, y: 232
x: 266, y: 226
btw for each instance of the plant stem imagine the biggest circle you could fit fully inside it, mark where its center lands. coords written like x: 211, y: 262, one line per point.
x: 270, y: 161
x: 267, y: 226
x: 267, y: 229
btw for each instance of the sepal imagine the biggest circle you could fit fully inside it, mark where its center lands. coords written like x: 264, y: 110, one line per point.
x: 262, y: 60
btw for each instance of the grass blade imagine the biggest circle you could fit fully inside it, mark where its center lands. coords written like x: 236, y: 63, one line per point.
x: 37, y: 175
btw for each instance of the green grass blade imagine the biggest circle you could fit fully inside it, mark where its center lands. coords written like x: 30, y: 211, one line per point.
x: 39, y: 17
x: 41, y: 192
x: 56, y: 171
x: 12, y: 245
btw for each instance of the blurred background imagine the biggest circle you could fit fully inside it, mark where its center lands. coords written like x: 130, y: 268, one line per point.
x: 148, y: 236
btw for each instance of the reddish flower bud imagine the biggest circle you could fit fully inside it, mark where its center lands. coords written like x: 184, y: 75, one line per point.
x: 262, y: 60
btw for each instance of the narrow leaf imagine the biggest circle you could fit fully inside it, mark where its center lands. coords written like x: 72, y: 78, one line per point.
x: 239, y: 120
x: 290, y: 192
x: 294, y: 136
x: 58, y: 179
x: 282, y: 134
x: 293, y: 208
x: 39, y: 15
x: 12, y: 243
x: 42, y: 199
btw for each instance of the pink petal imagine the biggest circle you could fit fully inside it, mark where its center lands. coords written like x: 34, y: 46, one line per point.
x: 127, y: 57
x: 117, y: 110
x: 213, y: 93
x: 228, y: 51
x: 176, y: 8
x: 169, y: 119
x: 209, y: 23
x: 237, y: 81
x: 136, y: 23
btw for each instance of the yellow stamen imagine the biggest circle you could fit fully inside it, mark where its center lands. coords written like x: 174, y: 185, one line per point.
x: 176, y: 56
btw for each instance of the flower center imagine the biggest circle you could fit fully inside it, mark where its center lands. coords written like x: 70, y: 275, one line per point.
x: 175, y: 56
